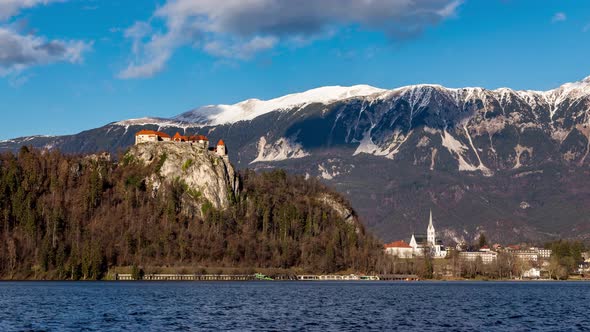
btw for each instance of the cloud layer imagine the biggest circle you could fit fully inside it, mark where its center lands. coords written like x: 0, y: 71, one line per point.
x: 10, y: 8
x: 19, y: 51
x: 239, y: 29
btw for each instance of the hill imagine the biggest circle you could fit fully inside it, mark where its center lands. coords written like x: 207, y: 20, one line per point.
x: 79, y: 217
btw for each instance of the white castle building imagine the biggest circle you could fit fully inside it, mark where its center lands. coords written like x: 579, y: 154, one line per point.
x: 152, y: 136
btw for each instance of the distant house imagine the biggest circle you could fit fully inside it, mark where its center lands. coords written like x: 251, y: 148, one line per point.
x: 487, y: 256
x: 144, y: 136
x: 399, y: 249
x: 533, y: 273
x: 532, y: 254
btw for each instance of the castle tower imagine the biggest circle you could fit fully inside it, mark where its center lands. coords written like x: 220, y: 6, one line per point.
x: 221, y: 150
x: 431, y: 233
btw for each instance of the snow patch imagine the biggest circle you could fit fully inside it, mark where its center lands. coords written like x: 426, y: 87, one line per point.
x: 458, y: 149
x: 486, y: 171
x: 282, y: 149
x: 431, y: 131
x: 367, y: 146
x: 433, y: 158
x: 560, y: 134
x: 519, y: 149
x: 326, y: 174
x: 424, y: 141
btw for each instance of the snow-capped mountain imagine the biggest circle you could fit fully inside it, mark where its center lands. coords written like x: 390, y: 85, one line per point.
x: 477, y: 156
x: 252, y: 108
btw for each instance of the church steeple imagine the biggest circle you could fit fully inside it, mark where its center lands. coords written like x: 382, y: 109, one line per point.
x: 431, y: 233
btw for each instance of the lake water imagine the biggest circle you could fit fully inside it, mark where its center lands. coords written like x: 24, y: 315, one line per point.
x: 284, y: 306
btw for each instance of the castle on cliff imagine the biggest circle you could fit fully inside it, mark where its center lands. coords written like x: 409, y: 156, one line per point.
x: 200, y: 141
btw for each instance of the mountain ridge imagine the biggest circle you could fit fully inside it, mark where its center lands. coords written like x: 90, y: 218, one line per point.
x: 474, y: 155
x: 326, y: 95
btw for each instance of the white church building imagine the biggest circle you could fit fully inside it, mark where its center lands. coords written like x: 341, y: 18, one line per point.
x: 419, y: 245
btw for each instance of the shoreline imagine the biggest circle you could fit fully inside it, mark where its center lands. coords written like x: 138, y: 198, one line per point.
x: 302, y: 281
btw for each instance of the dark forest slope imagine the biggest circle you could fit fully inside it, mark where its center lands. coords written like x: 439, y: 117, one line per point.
x: 72, y: 217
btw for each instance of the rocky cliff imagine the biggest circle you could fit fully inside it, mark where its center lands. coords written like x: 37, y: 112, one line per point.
x: 209, y: 177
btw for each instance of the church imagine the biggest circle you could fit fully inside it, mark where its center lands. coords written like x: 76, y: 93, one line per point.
x: 419, y: 245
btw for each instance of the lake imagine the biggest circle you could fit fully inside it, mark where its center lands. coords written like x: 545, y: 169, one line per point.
x: 286, y: 306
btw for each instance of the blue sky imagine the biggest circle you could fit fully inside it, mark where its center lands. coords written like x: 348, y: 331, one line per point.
x: 71, y: 65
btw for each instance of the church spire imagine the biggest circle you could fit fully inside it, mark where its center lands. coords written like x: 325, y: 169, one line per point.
x: 431, y: 233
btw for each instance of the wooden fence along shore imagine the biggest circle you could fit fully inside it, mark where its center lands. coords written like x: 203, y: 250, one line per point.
x: 251, y: 277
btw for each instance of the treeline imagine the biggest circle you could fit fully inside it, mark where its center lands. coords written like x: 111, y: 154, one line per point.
x: 77, y: 217
x: 565, y: 258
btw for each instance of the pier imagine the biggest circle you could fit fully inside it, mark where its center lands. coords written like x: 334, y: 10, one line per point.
x: 335, y: 277
x: 399, y: 277
x: 189, y: 277
x: 252, y: 277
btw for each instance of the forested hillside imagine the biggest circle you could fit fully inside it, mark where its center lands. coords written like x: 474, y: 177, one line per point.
x: 79, y: 217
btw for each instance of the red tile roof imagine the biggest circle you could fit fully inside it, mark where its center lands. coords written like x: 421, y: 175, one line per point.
x: 179, y: 137
x: 221, y: 142
x: 152, y: 132
x: 397, y: 244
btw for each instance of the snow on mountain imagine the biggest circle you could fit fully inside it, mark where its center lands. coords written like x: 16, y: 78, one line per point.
x: 25, y: 139
x: 162, y: 122
x: 419, y: 96
x: 282, y: 149
x: 252, y: 108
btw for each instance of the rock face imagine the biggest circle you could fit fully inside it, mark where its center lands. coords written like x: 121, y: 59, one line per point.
x: 206, y: 174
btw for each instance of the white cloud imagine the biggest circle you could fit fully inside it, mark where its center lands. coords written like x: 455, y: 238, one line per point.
x: 559, y: 17
x: 148, y: 68
x: 238, y: 29
x: 10, y: 8
x: 18, y: 52
x: 242, y: 51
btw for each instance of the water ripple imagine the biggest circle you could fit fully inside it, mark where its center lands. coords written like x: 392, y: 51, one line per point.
x: 294, y: 306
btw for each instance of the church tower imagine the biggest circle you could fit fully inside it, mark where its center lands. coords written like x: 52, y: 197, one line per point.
x: 431, y: 233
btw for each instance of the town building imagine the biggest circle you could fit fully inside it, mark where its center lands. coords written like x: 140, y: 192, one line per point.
x: 532, y: 254
x: 428, y: 243
x: 487, y: 256
x: 545, y: 253
x: 399, y: 249
x: 421, y: 244
x: 532, y: 273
